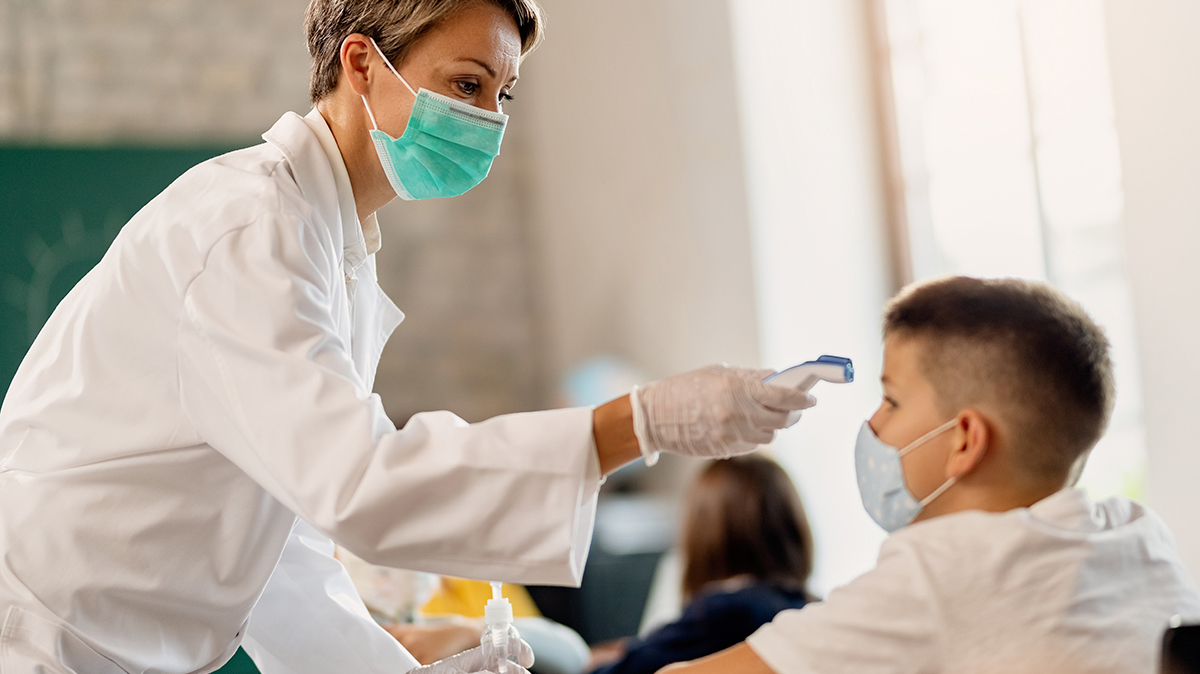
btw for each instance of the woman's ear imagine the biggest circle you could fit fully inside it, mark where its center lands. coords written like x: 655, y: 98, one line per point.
x: 355, y: 56
x: 974, y: 434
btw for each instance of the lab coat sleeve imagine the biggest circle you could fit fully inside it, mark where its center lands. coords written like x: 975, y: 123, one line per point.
x: 267, y: 380
x: 310, y: 619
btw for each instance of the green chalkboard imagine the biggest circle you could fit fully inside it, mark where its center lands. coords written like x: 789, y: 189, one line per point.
x: 59, y: 210
x: 239, y: 664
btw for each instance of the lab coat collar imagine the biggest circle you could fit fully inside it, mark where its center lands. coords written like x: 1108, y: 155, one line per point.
x: 321, y: 174
x: 360, y: 240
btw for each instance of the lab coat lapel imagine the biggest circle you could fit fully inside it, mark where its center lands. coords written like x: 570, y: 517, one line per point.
x: 370, y: 316
x: 314, y: 176
x: 375, y: 317
x: 311, y: 168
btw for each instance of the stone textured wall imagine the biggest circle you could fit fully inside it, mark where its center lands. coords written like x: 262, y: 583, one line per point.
x: 163, y: 70
x: 222, y: 71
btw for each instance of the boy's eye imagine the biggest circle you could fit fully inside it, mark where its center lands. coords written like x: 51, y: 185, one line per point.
x: 889, y: 402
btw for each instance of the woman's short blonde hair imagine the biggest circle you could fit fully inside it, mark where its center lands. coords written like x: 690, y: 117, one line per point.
x: 395, y: 25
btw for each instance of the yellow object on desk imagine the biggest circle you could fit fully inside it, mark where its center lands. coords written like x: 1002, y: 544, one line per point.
x: 461, y: 597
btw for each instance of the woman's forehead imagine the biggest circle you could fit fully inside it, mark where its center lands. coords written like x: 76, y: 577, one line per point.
x: 482, y: 32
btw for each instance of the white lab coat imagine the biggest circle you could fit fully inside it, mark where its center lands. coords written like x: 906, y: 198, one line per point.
x: 195, y: 423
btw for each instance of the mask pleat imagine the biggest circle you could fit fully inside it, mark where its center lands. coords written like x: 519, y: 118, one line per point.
x: 447, y: 148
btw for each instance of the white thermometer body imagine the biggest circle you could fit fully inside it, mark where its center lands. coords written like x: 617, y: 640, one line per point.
x: 806, y: 375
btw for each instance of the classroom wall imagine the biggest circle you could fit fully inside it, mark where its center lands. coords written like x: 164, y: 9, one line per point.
x: 171, y: 71
x: 638, y: 201
x: 1155, y: 58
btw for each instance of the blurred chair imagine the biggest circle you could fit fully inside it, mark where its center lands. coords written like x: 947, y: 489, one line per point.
x: 1181, y: 648
x: 632, y: 532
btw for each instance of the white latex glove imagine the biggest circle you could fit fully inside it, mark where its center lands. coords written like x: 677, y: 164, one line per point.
x: 714, y: 412
x: 475, y: 661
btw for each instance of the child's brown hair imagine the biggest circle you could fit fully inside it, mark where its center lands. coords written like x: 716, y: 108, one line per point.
x: 1021, y: 347
x: 744, y: 518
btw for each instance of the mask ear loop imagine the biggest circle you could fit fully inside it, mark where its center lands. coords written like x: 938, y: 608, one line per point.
x: 928, y: 436
x: 392, y: 68
x: 938, y: 492
x: 922, y: 440
x: 370, y: 114
x: 374, y: 124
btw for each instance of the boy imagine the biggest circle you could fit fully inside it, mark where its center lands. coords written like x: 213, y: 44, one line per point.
x: 994, y: 393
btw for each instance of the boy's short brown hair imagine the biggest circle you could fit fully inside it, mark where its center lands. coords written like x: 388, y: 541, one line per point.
x: 395, y: 25
x: 1020, y: 347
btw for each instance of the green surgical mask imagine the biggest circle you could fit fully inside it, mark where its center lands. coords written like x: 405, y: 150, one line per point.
x: 447, y: 148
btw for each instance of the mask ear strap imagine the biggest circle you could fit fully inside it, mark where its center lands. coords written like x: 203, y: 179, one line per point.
x: 929, y: 436
x: 369, y: 113
x: 392, y: 68
x: 938, y: 492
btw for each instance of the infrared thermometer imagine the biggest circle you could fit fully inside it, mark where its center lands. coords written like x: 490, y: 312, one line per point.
x: 806, y: 375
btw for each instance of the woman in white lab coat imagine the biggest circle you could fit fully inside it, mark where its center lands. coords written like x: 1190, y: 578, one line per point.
x: 194, y: 425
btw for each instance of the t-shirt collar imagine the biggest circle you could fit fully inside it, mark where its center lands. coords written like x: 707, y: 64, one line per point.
x: 1071, y: 509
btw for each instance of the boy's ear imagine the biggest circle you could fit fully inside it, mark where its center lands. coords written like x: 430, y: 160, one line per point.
x: 975, y: 435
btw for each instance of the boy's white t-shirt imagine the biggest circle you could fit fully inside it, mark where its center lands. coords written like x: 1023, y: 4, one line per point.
x: 1066, y: 585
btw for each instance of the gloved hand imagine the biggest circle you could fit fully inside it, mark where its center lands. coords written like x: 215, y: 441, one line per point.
x: 715, y: 412
x: 476, y: 661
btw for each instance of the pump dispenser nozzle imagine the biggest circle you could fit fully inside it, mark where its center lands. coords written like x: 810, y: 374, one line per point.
x: 498, y: 609
x: 500, y: 637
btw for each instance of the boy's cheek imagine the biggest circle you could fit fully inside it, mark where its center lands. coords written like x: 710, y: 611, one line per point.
x: 923, y: 472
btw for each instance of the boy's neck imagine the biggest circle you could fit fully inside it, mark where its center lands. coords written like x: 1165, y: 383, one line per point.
x: 979, y: 495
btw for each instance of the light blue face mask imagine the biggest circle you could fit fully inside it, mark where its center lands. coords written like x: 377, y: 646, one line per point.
x: 447, y: 148
x: 881, y: 478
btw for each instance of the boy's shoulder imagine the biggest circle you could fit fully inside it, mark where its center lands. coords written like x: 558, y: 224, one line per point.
x: 1017, y: 589
x: 1052, y: 539
x: 1068, y: 514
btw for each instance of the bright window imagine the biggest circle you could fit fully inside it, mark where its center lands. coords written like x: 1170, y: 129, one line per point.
x: 1005, y: 163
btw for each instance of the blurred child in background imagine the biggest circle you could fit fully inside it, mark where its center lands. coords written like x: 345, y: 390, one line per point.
x: 748, y: 553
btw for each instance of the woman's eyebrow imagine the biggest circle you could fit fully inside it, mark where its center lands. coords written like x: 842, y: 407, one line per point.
x: 484, y: 65
x: 491, y: 71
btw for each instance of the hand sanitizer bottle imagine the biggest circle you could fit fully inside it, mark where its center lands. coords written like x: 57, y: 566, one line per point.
x: 500, y: 639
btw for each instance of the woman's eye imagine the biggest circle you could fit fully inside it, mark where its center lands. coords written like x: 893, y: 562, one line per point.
x: 505, y: 97
x: 468, y: 88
